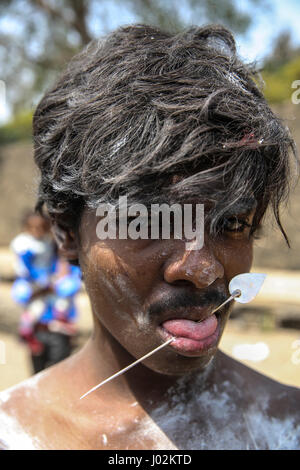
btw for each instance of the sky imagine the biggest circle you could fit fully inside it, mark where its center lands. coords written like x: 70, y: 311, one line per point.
x: 283, y: 15
x: 279, y: 16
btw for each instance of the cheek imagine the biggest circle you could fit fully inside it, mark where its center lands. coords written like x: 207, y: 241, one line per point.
x: 236, y: 257
x: 111, y: 284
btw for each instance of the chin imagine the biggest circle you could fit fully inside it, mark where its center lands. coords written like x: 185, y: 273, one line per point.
x: 181, y: 365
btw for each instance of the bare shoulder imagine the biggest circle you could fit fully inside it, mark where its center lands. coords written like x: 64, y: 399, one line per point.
x: 259, y: 383
x: 255, y: 383
x: 33, y: 414
x: 42, y: 412
x: 270, y: 409
x: 18, y: 411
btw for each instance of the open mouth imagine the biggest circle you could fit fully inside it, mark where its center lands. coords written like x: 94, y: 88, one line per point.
x: 192, y: 336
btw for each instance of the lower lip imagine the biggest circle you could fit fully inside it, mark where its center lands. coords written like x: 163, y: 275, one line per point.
x: 185, y: 344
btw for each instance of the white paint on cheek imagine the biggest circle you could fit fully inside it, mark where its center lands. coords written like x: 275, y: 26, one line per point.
x: 142, y: 320
x: 109, y: 286
x: 111, y: 294
x: 127, y: 290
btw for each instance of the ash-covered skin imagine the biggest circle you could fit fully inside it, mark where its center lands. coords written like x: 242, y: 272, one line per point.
x: 224, y: 424
x: 228, y: 406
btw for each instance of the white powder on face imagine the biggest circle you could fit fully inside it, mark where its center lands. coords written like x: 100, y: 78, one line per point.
x: 126, y: 288
x: 128, y: 291
x: 121, y: 290
x: 109, y: 286
x: 142, y: 320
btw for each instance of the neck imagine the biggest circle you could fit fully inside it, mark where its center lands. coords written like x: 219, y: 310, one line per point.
x: 106, y: 357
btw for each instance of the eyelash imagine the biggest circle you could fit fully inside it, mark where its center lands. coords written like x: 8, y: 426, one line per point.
x: 235, y: 220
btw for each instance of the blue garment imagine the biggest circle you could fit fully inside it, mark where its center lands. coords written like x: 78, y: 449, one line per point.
x: 39, y: 274
x: 65, y: 290
x: 35, y: 259
x: 36, y: 268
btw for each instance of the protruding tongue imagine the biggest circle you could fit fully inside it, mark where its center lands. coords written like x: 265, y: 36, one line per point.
x: 191, y: 329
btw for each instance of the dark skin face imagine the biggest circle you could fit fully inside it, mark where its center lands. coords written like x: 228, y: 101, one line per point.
x: 136, y: 285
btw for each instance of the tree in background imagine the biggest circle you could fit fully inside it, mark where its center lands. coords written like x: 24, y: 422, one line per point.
x: 37, y: 37
x: 283, y: 52
x: 281, y: 68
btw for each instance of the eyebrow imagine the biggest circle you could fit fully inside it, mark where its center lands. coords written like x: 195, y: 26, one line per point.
x: 243, y: 205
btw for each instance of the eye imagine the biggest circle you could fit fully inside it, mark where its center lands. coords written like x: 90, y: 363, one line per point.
x: 235, y: 224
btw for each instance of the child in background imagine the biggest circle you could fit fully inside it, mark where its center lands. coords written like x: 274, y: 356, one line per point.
x: 46, y: 286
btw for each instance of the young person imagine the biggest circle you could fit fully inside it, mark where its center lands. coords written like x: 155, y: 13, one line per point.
x: 157, y: 118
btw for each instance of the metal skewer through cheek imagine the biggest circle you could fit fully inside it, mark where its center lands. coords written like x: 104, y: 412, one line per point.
x: 236, y: 293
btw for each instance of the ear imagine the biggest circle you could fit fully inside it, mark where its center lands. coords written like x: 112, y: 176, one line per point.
x: 66, y: 241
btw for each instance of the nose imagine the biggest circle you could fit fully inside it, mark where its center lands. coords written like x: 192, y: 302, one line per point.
x: 200, y: 267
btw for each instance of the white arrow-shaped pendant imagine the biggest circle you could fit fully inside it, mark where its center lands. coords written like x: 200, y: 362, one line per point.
x: 249, y: 284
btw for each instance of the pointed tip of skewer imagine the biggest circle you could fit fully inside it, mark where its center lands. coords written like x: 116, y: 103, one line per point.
x: 96, y: 387
x: 85, y: 394
x: 127, y: 368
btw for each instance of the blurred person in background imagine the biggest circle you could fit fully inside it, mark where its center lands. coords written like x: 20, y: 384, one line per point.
x: 46, y: 286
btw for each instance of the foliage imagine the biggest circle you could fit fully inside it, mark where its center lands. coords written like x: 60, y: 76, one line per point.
x: 19, y: 128
x: 281, y: 69
x: 279, y: 83
x: 283, y: 51
x: 38, y: 37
